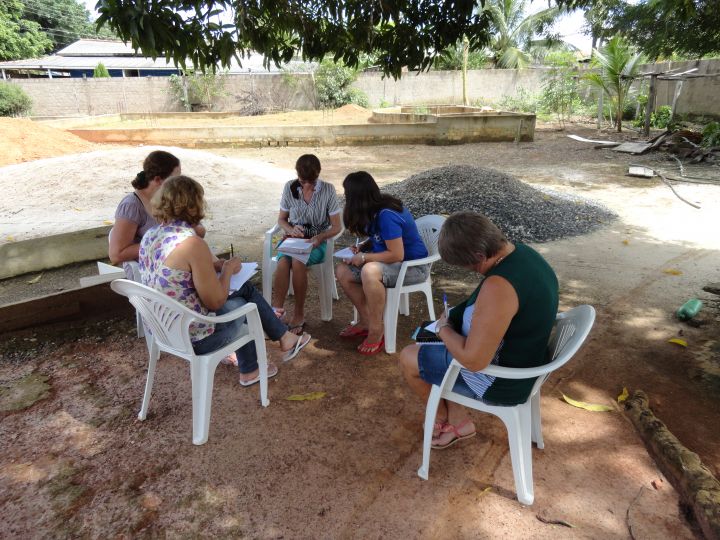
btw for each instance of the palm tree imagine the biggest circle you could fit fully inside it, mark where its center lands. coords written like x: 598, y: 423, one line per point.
x: 618, y: 65
x: 512, y: 42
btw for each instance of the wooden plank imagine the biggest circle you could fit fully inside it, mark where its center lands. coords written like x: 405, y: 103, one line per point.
x: 633, y: 147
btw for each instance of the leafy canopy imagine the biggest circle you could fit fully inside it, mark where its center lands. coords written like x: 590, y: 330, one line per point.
x: 19, y: 38
x: 401, y: 33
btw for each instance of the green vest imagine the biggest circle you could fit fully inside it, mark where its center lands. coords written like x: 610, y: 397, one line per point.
x: 525, y: 341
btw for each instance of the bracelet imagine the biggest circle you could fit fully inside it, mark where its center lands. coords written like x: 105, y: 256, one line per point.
x: 440, y: 327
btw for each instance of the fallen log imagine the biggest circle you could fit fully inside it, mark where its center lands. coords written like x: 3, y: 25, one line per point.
x: 697, y: 486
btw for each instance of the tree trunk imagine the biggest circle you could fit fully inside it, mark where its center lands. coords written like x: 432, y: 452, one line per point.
x: 466, y: 47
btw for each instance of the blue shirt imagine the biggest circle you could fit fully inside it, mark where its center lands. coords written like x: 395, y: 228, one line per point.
x: 389, y: 225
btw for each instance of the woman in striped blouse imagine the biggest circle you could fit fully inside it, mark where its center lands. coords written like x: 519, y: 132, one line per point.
x: 309, y: 209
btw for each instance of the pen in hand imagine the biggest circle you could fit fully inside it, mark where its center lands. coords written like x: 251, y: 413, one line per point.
x: 445, y: 306
x: 232, y: 251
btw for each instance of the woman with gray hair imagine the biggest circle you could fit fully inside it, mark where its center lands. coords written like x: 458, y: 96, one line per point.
x: 506, y: 321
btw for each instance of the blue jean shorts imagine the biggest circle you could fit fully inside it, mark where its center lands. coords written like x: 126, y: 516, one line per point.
x: 433, y: 362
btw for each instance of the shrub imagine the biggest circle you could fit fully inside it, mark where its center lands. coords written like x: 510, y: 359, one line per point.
x: 711, y: 135
x: 524, y: 101
x: 13, y: 100
x: 332, y: 82
x: 100, y: 71
x: 197, y: 90
x: 661, y: 117
x: 559, y: 94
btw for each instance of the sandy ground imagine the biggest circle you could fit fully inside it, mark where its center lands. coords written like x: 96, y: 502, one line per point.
x: 77, y: 463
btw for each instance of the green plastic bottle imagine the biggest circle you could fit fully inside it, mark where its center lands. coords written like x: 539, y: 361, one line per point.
x: 689, y: 309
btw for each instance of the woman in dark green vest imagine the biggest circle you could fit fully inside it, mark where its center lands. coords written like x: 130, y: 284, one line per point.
x: 506, y: 321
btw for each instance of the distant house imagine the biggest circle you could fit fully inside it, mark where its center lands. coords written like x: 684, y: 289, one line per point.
x: 80, y: 59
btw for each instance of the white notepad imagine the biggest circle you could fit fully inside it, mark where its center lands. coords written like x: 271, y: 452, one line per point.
x: 295, y: 245
x: 345, y: 253
x: 248, y: 270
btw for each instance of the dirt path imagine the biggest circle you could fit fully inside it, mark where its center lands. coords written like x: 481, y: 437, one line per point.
x: 77, y: 462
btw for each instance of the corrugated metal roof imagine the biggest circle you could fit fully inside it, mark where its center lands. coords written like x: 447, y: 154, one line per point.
x: 69, y: 63
x: 63, y: 61
x: 97, y: 47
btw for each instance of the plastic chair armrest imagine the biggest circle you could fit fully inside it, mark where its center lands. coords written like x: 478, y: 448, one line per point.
x: 227, y: 317
x: 424, y: 260
x: 518, y: 373
x: 451, y: 375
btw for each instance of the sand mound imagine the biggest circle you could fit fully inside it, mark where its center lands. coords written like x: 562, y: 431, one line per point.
x: 351, y: 108
x: 522, y: 212
x: 25, y: 140
x: 81, y: 191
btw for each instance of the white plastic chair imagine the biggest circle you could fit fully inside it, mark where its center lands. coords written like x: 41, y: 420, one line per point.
x: 324, y: 273
x: 169, y: 322
x: 522, y: 421
x: 397, y: 298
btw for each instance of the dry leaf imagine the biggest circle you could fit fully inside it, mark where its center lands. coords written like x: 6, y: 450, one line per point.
x: 34, y: 280
x: 78, y: 209
x: 673, y: 271
x: 623, y: 396
x: 678, y: 341
x: 107, y: 222
x: 595, y: 407
x: 626, y: 242
x: 306, y: 397
x: 10, y: 238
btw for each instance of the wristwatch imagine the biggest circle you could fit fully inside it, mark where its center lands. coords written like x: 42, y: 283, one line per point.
x: 440, y: 327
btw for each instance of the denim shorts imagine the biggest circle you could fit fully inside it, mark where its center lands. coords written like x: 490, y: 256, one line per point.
x: 391, y: 271
x: 433, y: 362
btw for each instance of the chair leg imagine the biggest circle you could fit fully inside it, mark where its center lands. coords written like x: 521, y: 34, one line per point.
x: 392, y: 303
x: 430, y: 305
x: 517, y: 422
x: 325, y: 288
x: 405, y: 304
x: 430, y: 413
x: 154, y: 354
x: 537, y: 436
x: 263, y: 366
x: 140, y: 325
x: 202, y: 374
x: 335, y: 294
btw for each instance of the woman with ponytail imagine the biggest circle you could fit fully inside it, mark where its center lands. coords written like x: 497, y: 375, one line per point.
x: 133, y: 217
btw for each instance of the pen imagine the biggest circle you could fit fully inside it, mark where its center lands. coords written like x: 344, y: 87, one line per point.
x: 232, y: 251
x: 445, y: 305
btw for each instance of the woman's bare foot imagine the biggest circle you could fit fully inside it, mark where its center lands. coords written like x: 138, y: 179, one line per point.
x: 297, y: 324
x: 248, y: 379
x: 450, y: 434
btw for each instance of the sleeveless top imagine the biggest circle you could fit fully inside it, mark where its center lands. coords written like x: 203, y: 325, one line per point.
x: 155, y: 246
x: 525, y: 341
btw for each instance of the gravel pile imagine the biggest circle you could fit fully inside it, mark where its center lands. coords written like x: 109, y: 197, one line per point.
x: 523, y: 213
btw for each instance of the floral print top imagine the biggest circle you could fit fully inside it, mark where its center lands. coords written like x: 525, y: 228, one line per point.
x: 155, y: 246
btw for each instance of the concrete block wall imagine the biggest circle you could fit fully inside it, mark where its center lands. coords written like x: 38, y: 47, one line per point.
x: 72, y: 97
x: 699, y: 97
x: 485, y: 86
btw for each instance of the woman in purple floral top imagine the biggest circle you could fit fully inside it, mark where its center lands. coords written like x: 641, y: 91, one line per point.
x: 175, y: 260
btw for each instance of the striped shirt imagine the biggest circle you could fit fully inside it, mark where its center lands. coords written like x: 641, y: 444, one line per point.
x: 315, y: 215
x: 477, y: 381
